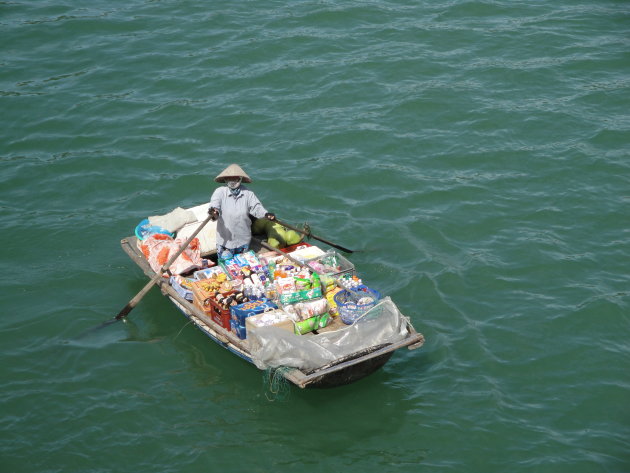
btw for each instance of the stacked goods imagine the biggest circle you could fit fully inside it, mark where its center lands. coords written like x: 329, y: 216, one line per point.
x: 309, y: 315
x: 273, y: 318
x: 239, y: 313
x: 207, y: 273
x: 332, y: 264
x: 349, y: 282
x: 209, y: 287
x: 295, y: 283
x: 353, y: 303
x: 243, y: 266
x: 300, y: 292
x: 232, y: 268
x: 249, y: 259
x: 183, y: 286
x: 214, y: 296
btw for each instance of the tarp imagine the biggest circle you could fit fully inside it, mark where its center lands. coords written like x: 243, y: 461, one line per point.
x: 272, y: 347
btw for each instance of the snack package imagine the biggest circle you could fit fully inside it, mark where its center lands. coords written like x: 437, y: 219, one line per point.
x: 183, y: 286
x: 297, y: 296
x: 285, y: 285
x: 332, y: 305
x: 307, y: 309
x: 208, y: 273
x: 302, y: 283
x: 314, y: 323
x: 232, y: 268
x: 249, y: 259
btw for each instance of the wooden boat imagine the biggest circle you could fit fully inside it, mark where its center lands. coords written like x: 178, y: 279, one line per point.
x: 342, y: 371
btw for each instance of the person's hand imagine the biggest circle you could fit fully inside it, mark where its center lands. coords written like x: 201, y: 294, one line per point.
x: 270, y: 216
x: 214, y: 213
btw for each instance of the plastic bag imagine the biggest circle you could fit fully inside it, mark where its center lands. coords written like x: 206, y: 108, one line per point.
x: 158, y: 248
x: 272, y: 347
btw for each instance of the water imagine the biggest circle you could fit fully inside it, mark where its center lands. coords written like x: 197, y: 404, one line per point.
x: 476, y: 152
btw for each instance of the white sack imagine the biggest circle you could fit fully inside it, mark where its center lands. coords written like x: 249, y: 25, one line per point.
x: 174, y: 220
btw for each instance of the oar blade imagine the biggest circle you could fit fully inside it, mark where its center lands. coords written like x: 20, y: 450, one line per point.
x: 308, y: 233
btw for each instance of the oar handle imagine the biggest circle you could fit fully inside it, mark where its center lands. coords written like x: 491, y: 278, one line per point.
x: 286, y: 255
x: 134, y: 302
x: 308, y: 233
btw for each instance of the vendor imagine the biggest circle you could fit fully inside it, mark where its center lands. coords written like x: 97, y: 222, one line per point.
x: 232, y: 205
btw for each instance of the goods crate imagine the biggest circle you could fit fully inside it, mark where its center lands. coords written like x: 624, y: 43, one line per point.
x: 217, y: 313
x: 322, y: 264
x: 181, y: 290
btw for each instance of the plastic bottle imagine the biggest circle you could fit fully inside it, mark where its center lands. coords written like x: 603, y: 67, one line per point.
x: 271, y: 269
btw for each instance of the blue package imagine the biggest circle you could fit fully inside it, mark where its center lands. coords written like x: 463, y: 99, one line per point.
x: 240, y: 312
x: 238, y: 329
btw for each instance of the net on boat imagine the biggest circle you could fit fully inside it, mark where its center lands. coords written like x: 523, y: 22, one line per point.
x: 277, y: 387
x: 273, y: 347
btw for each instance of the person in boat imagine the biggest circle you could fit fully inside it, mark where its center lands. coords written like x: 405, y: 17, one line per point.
x: 231, y: 206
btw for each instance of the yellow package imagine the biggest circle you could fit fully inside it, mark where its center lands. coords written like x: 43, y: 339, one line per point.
x: 332, y: 305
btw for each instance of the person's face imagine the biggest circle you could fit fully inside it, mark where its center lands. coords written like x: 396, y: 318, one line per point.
x: 233, y: 182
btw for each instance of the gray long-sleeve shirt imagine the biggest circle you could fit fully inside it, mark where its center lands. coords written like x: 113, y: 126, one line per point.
x: 234, y: 226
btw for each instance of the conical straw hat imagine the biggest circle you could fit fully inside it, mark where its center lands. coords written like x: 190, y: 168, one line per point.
x: 233, y: 170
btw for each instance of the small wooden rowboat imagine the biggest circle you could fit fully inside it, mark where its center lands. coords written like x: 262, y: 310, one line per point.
x: 342, y: 371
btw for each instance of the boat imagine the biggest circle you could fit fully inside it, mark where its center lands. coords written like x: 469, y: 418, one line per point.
x: 340, y: 371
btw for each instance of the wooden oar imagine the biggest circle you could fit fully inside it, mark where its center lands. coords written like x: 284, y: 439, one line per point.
x: 282, y: 253
x: 134, y: 302
x: 308, y: 233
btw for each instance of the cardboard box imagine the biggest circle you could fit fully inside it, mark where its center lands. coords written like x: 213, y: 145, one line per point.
x: 307, y: 253
x: 181, y: 290
x: 242, y: 311
x: 237, y: 329
x: 274, y: 318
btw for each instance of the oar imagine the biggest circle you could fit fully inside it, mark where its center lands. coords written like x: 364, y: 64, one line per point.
x: 308, y: 233
x: 134, y: 302
x: 276, y: 250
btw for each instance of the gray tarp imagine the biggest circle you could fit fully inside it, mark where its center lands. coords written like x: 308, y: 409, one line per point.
x: 272, y: 347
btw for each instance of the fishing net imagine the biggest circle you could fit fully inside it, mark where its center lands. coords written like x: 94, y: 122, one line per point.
x: 277, y: 388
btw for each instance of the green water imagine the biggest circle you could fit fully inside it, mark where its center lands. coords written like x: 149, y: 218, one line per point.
x: 476, y: 152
